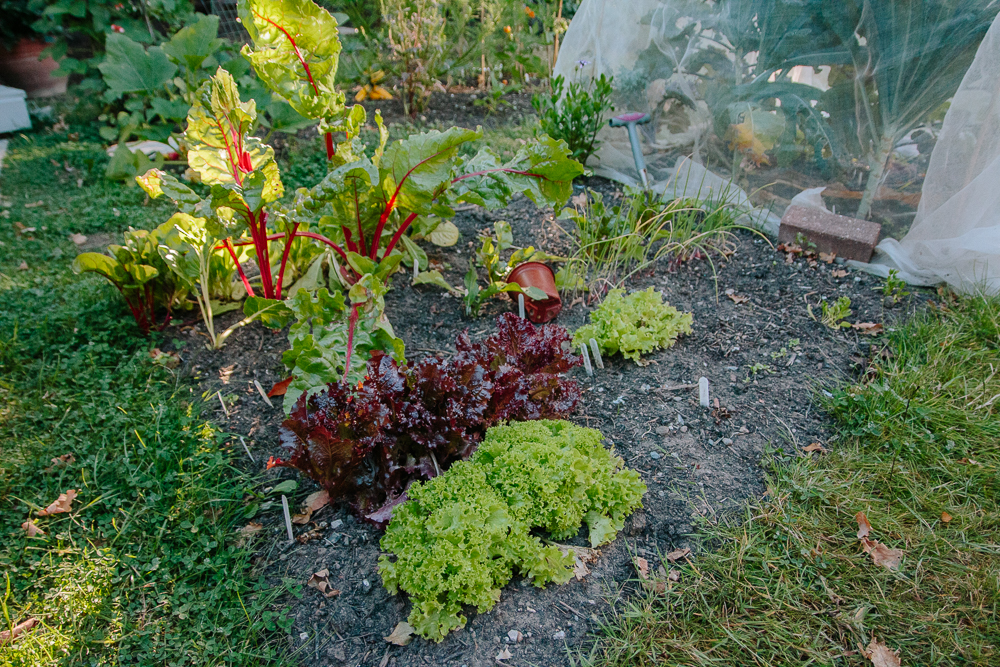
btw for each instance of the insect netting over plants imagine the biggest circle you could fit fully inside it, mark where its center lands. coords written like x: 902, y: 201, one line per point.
x: 774, y: 97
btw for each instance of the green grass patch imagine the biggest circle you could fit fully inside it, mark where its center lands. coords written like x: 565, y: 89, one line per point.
x: 787, y: 583
x: 146, y: 568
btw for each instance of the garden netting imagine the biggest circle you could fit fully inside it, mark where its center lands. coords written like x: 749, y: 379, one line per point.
x: 871, y: 98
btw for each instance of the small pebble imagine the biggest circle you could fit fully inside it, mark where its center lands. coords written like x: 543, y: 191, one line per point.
x: 515, y: 636
x: 559, y: 635
x: 662, y: 430
x: 303, y: 636
x: 366, y: 585
x: 727, y: 441
x: 684, y: 429
x: 334, y: 525
x: 678, y: 399
x: 656, y: 455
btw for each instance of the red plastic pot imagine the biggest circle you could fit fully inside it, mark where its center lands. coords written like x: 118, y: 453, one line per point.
x: 21, y: 68
x: 536, y: 274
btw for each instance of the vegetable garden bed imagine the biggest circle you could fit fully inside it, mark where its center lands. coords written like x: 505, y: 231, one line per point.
x: 753, y: 338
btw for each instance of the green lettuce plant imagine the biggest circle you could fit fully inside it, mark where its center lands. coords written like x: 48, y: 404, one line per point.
x: 460, y: 537
x: 634, y: 325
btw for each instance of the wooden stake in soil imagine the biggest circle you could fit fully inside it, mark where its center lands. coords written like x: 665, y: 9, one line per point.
x: 703, y: 391
x: 288, y: 518
x: 586, y: 359
x: 596, y: 349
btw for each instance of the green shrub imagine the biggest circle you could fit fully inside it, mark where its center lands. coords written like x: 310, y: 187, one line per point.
x: 575, y: 114
x: 634, y: 325
x: 459, y: 537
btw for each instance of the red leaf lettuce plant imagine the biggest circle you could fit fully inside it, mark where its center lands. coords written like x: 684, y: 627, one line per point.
x: 368, y: 442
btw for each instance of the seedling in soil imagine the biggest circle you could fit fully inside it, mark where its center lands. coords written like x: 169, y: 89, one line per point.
x: 895, y: 287
x: 833, y: 316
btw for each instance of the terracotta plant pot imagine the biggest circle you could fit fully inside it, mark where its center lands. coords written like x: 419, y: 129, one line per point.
x: 536, y: 274
x: 22, y: 69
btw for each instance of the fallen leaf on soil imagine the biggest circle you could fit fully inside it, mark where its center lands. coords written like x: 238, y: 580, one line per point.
x: 864, y: 528
x: 674, y: 575
x: 677, y: 554
x: 642, y: 567
x: 881, y: 554
x: 736, y: 298
x: 63, y: 460
x: 945, y: 517
x: 321, y: 582
x: 881, y: 655
x: 280, y: 388
x: 504, y: 655
x: 839, y: 273
x: 579, y: 200
x: 251, y: 528
x: 401, y: 635
x: 868, y: 328
x: 309, y: 536
x: 827, y: 257
x: 64, y: 503
x: 815, y: 447
x: 31, y: 529
x: 581, y: 556
x: 19, y: 629
x: 23, y: 266
x: 78, y: 239
x: 968, y: 461
x: 314, y: 502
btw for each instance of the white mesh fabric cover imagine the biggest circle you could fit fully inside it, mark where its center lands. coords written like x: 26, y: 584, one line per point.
x: 609, y: 35
x: 955, y: 237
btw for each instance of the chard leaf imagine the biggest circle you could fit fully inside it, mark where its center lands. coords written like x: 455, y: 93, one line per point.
x: 446, y: 234
x: 296, y: 52
x: 272, y: 313
x: 157, y: 183
x: 420, y: 167
x: 432, y: 278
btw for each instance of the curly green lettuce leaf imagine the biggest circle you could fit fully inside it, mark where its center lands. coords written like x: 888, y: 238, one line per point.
x: 634, y: 325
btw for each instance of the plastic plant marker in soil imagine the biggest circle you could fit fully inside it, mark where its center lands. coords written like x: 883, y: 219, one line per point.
x: 247, y: 449
x: 703, y: 391
x: 263, y: 394
x: 586, y: 360
x: 520, y: 306
x: 596, y: 349
x: 288, y: 518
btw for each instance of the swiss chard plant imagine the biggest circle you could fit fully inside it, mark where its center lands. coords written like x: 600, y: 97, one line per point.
x: 369, y: 201
x: 367, y: 443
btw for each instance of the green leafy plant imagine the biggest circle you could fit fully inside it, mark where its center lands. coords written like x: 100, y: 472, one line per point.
x: 895, y: 287
x: 634, y: 325
x: 136, y: 268
x: 415, y: 31
x: 575, y: 114
x: 833, y: 316
x: 460, y: 537
x: 488, y: 258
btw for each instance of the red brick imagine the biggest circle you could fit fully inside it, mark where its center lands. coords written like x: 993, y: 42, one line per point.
x: 849, y: 238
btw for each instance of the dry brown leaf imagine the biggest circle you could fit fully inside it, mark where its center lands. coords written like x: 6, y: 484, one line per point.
x: 579, y: 201
x: 321, y: 582
x: 23, y: 266
x: 19, y: 629
x: 314, y: 502
x: 505, y: 654
x: 401, y: 635
x: 63, y: 460
x: 677, y: 554
x: 827, y: 257
x: 815, y: 447
x: 868, y: 328
x: 642, y: 567
x: 78, y: 239
x: 945, y: 517
x: 64, y: 503
x: 166, y: 359
x: 674, y: 575
x: 251, y: 528
x: 736, y: 298
x: 839, y: 273
x: 309, y: 536
x: 31, y: 529
x: 864, y: 528
x: 881, y: 554
x: 881, y: 655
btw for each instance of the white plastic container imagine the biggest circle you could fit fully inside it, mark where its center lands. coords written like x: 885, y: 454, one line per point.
x: 13, y: 110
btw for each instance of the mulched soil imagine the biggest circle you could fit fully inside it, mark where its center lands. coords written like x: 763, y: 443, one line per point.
x: 464, y: 109
x: 698, y: 463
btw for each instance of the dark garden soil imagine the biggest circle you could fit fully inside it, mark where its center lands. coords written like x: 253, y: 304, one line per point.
x: 698, y: 463
x: 465, y: 109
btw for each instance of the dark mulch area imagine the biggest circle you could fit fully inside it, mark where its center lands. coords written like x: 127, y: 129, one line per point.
x: 696, y: 461
x: 456, y: 109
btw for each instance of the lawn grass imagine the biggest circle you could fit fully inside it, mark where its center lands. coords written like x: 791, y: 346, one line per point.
x: 787, y: 583
x: 145, y: 569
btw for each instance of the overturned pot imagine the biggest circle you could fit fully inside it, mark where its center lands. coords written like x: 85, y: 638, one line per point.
x: 536, y: 274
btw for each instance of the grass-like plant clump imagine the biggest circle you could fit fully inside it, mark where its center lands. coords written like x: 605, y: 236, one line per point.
x: 791, y: 583
x: 461, y: 536
x: 634, y: 325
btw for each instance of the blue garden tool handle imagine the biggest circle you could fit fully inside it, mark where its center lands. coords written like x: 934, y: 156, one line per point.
x: 630, y: 121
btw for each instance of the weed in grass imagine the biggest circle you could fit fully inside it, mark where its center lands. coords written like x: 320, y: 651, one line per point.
x: 895, y: 287
x: 788, y: 583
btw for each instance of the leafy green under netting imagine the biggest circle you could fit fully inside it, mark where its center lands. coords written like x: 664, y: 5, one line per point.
x: 634, y: 325
x: 367, y: 443
x: 461, y: 536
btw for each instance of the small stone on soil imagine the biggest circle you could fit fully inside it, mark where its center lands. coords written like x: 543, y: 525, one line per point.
x: 559, y: 635
x: 654, y: 455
